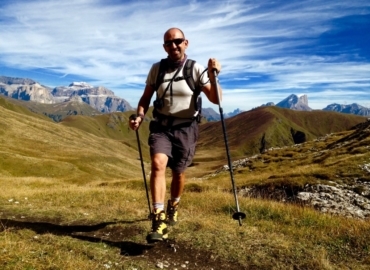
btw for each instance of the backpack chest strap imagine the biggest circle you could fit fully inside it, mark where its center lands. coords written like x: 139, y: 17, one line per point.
x: 175, y: 79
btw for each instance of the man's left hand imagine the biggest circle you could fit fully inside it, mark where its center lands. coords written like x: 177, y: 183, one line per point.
x: 213, y: 64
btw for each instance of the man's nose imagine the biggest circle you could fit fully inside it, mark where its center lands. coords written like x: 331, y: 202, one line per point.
x: 173, y: 45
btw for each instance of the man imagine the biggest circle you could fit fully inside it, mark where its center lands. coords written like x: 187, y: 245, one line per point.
x: 174, y: 132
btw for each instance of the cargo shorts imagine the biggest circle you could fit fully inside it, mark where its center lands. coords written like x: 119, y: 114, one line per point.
x: 177, y: 142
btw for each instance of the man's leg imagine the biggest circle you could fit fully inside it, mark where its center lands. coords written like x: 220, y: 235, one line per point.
x: 177, y: 187
x: 158, y: 178
x: 183, y: 150
x: 177, y: 184
x: 158, y: 190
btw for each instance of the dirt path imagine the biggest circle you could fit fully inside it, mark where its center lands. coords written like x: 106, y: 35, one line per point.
x: 169, y: 254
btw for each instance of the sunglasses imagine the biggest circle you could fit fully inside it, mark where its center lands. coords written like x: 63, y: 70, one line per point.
x: 177, y: 41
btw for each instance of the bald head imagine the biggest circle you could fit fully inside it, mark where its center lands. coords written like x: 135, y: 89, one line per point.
x: 172, y: 31
x: 175, y: 44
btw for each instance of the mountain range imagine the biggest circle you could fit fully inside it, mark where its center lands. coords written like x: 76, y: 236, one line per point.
x: 72, y: 100
x: 296, y: 103
x: 301, y: 104
x: 99, y: 98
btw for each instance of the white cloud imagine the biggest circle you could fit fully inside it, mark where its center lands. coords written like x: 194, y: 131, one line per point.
x: 266, y: 48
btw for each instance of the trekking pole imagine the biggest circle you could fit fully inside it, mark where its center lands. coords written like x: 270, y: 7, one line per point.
x: 133, y: 117
x: 237, y: 215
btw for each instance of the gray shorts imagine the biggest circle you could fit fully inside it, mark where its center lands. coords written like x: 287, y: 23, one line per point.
x: 177, y: 142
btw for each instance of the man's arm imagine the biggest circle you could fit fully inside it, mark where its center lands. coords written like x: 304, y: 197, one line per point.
x: 142, y: 107
x: 210, y: 91
x: 144, y: 101
x: 210, y: 88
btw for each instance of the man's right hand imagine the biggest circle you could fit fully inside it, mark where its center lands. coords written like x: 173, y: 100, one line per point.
x: 135, y: 121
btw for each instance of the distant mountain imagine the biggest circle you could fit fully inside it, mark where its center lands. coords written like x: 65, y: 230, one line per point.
x: 294, y: 102
x: 103, y: 100
x: 352, y: 109
x: 210, y: 114
x: 235, y: 112
x: 301, y: 104
x: 10, y: 80
x: 269, y: 104
x: 99, y: 98
x: 25, y: 89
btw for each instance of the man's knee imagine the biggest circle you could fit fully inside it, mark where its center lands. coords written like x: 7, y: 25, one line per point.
x: 159, y: 162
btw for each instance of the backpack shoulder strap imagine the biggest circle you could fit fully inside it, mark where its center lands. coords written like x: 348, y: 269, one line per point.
x: 188, y: 74
x: 161, y: 73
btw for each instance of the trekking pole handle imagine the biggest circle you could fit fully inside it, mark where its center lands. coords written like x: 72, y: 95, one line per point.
x: 133, y: 116
x: 217, y: 91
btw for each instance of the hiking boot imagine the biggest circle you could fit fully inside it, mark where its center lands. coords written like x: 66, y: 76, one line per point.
x: 172, y: 213
x: 159, y: 228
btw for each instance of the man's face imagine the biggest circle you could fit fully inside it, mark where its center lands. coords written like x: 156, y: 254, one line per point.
x: 175, y: 44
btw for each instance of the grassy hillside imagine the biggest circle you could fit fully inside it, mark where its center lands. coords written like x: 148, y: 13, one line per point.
x: 253, y: 131
x: 248, y: 133
x: 247, y: 128
x: 113, y: 126
x: 11, y: 104
x: 73, y: 198
x: 32, y: 146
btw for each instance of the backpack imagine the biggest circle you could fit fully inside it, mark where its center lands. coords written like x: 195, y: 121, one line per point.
x: 187, y: 75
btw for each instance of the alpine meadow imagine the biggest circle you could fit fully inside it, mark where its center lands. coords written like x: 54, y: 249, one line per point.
x: 73, y: 194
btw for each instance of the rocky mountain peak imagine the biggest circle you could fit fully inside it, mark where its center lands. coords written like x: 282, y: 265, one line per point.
x: 295, y: 103
x: 25, y: 89
x: 235, y: 112
x: 353, y: 108
x: 303, y: 99
x: 11, y: 80
x: 99, y: 97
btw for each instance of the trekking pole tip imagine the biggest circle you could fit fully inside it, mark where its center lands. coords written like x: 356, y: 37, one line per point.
x: 239, y: 216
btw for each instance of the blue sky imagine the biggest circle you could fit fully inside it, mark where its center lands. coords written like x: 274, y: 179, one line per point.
x: 268, y: 49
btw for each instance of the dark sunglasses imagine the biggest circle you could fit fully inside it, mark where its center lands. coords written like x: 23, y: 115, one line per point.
x: 177, y: 41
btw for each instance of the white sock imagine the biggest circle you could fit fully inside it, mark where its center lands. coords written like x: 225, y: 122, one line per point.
x: 175, y: 200
x: 157, y: 206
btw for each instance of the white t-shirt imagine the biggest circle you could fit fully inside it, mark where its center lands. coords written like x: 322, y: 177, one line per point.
x: 182, y: 103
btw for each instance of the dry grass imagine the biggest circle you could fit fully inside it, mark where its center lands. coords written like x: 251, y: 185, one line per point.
x: 71, y: 199
x: 274, y: 235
